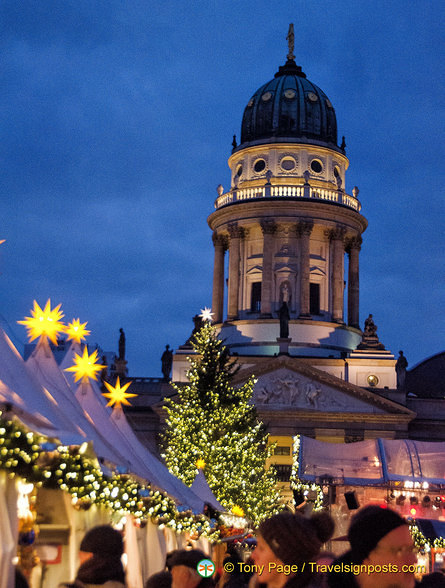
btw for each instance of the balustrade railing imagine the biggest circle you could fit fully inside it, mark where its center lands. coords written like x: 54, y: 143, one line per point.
x: 269, y: 191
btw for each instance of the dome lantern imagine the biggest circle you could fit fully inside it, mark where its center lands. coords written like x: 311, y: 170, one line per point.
x: 288, y: 109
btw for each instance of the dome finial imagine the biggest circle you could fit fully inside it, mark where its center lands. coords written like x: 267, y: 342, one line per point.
x: 290, y: 42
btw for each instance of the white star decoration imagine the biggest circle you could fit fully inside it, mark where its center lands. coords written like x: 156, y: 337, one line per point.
x: 206, y: 314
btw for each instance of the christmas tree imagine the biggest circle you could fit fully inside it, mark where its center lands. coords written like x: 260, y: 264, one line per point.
x: 213, y: 423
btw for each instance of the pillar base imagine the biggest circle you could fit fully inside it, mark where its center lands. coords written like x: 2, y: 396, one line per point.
x: 283, y: 342
x: 305, y: 316
x: 266, y: 315
x: 121, y: 367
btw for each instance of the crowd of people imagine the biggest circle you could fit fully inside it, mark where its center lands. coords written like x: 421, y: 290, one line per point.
x: 288, y: 554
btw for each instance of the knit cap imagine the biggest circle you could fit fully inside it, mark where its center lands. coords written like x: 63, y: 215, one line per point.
x: 103, y: 540
x: 187, y: 557
x: 294, y: 538
x: 368, y: 526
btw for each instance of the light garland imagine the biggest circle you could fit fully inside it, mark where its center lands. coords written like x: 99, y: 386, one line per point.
x: 44, y: 464
x: 423, y: 542
x: 304, y: 487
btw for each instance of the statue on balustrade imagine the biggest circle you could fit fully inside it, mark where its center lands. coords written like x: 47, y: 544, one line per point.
x: 121, y: 344
x: 401, y: 365
x: 167, y: 362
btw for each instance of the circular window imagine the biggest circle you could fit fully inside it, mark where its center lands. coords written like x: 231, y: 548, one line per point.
x: 251, y: 101
x: 288, y: 163
x: 266, y: 96
x: 289, y: 94
x: 312, y: 97
x: 260, y: 165
x: 239, y: 170
x: 316, y: 166
x: 328, y: 103
x: 373, y: 380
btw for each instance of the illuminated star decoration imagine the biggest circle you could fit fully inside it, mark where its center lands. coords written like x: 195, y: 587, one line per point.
x: 85, y: 366
x: 200, y: 464
x: 44, y: 323
x: 76, y: 330
x: 237, y: 511
x: 117, y: 395
x: 206, y: 314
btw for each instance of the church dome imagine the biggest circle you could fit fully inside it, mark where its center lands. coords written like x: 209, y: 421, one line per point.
x: 289, y: 108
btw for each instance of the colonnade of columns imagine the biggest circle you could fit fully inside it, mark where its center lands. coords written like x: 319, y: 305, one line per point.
x: 303, y: 231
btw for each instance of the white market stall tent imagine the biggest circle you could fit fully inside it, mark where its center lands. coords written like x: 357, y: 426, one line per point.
x: 38, y: 396
x: 372, y: 462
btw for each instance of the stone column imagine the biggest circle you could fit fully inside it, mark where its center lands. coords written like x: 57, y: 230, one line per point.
x: 304, y: 230
x: 353, y: 249
x: 220, y: 244
x: 269, y: 229
x: 236, y: 234
x: 337, y: 236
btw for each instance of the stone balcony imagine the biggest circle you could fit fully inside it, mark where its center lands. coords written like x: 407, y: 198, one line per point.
x: 292, y: 192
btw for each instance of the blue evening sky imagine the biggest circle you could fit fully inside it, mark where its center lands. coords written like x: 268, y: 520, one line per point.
x: 116, y: 125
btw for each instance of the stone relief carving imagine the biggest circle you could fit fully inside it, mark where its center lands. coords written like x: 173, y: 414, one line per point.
x: 285, y: 388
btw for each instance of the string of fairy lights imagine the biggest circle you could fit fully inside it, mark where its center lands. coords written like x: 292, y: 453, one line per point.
x: 44, y: 462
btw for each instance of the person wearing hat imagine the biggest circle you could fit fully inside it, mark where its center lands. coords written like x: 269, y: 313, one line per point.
x: 184, y: 569
x: 382, y: 553
x: 287, y: 544
x: 100, y: 560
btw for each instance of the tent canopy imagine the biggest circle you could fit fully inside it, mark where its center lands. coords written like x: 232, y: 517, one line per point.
x: 377, y: 461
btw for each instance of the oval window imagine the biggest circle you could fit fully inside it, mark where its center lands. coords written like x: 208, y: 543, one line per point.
x: 260, y: 165
x: 288, y: 163
x: 266, y: 96
x: 316, y: 166
x: 239, y: 170
x: 289, y: 94
x: 336, y: 172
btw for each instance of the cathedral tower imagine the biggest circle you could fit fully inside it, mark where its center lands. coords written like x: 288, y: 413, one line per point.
x: 288, y: 226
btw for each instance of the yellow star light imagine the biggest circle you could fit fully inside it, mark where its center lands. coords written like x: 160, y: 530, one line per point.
x: 44, y: 323
x: 237, y: 511
x: 85, y: 366
x: 117, y: 395
x: 200, y: 464
x: 77, y: 331
x: 206, y: 314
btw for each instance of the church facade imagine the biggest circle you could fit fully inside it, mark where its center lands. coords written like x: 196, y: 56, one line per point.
x: 285, y: 300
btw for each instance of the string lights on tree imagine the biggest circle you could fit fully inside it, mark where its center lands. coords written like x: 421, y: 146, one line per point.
x: 214, y: 422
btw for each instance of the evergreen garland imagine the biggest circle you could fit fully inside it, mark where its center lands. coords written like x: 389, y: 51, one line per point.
x: 46, y: 463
